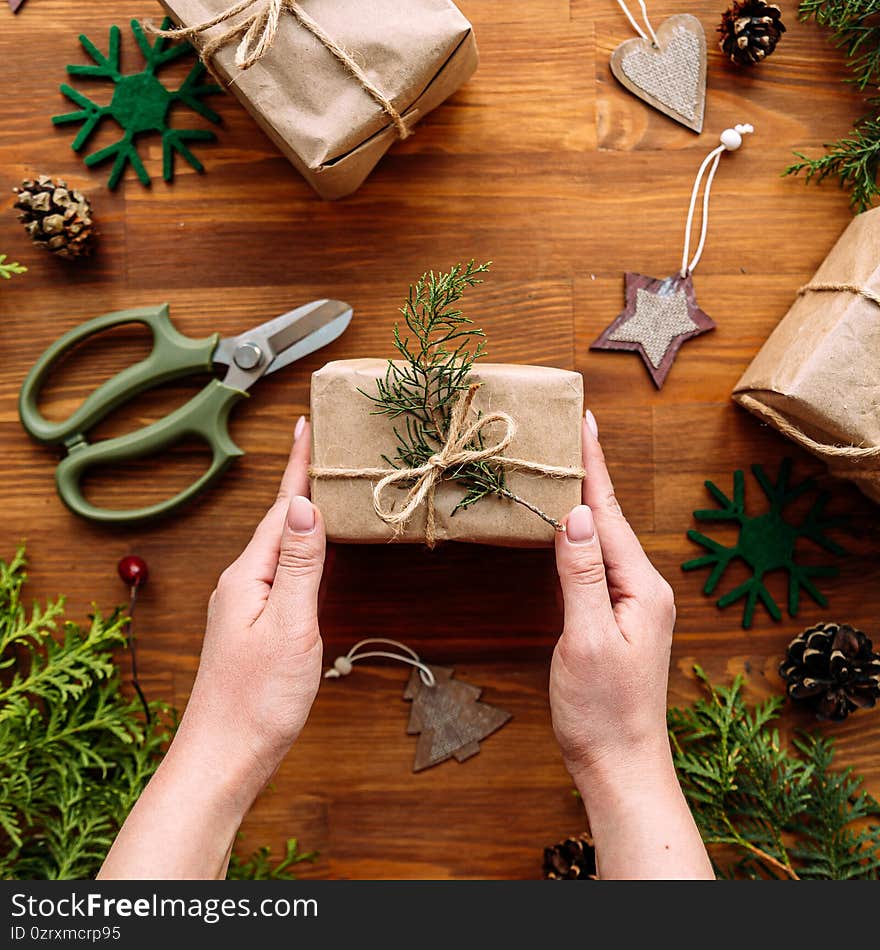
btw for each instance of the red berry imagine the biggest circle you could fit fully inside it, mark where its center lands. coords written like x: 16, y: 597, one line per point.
x: 133, y: 570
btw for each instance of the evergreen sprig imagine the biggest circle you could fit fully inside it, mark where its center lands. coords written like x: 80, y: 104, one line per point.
x: 8, y: 269
x: 856, y: 30
x: 855, y: 158
x: 75, y: 753
x: 259, y: 866
x: 438, y: 347
x: 786, y: 810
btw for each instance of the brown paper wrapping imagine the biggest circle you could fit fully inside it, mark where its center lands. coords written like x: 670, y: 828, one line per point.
x: 820, y: 368
x: 332, y: 131
x: 547, y: 406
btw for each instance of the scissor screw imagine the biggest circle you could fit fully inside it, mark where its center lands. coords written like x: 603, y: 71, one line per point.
x: 248, y: 356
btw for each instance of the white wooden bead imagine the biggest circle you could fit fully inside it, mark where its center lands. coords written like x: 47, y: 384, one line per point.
x: 342, y: 665
x: 731, y: 139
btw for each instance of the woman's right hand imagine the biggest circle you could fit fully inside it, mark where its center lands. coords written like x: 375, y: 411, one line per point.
x: 608, y: 685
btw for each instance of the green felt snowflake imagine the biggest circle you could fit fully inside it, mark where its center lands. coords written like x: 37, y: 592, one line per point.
x: 140, y: 104
x: 766, y: 542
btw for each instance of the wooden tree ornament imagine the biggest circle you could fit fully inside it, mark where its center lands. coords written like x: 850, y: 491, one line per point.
x: 446, y: 713
x: 448, y: 718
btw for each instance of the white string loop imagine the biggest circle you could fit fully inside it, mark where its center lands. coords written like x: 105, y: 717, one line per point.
x: 731, y: 140
x: 342, y: 665
x: 634, y: 23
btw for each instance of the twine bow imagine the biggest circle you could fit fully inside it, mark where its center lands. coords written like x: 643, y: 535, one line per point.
x: 455, y: 453
x: 257, y: 32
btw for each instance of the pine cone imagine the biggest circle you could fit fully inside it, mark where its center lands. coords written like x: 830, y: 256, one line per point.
x: 571, y: 860
x: 750, y: 31
x: 834, y: 669
x: 56, y: 217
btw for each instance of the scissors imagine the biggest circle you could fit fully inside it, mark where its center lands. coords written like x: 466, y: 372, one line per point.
x: 247, y: 357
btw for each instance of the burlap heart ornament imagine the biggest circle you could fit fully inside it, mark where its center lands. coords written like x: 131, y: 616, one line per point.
x: 670, y: 76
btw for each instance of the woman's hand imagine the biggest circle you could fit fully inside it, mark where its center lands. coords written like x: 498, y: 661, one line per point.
x: 261, y: 658
x: 258, y: 676
x: 611, y: 664
x: 608, y: 684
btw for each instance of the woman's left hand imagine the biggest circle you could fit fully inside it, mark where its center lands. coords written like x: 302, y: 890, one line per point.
x: 258, y: 676
x: 261, y: 658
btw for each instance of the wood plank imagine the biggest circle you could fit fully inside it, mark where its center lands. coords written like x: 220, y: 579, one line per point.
x: 545, y: 165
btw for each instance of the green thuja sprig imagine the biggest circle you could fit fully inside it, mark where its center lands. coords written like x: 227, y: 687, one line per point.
x: 787, y: 812
x: 9, y: 268
x: 854, y: 159
x: 75, y: 752
x: 260, y: 867
x: 438, y: 347
x: 856, y: 30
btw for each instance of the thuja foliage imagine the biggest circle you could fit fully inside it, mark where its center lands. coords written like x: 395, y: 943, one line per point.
x: 855, y: 158
x: 438, y: 347
x: 259, y: 866
x: 75, y: 753
x: 786, y: 811
x: 9, y: 268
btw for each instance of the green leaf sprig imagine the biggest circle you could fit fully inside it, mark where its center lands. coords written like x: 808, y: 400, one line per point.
x: 10, y: 268
x: 853, y: 159
x: 786, y: 810
x: 438, y: 347
x: 75, y: 753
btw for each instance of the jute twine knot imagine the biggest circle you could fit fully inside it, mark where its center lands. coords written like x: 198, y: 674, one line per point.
x: 456, y: 453
x: 841, y: 459
x: 257, y: 31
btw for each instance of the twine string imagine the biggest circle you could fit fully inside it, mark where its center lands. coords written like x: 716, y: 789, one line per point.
x: 257, y: 32
x: 343, y: 665
x: 852, y: 453
x: 840, y: 289
x: 710, y: 163
x: 456, y: 452
x: 635, y: 23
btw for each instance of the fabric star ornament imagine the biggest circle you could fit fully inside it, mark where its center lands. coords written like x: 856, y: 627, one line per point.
x: 659, y: 316
x: 662, y: 314
x: 15, y: 4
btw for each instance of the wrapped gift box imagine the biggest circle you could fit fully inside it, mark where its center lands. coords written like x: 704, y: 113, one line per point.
x: 817, y: 378
x: 313, y: 108
x: 547, y: 406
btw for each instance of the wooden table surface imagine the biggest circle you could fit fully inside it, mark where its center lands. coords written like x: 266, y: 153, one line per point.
x: 545, y: 165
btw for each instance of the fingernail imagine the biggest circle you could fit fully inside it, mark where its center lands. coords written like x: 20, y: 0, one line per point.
x: 580, y: 528
x: 300, y: 425
x: 591, y: 424
x: 301, y: 515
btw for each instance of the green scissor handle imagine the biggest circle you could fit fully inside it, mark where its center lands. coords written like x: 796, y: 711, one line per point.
x: 204, y: 415
x: 173, y: 355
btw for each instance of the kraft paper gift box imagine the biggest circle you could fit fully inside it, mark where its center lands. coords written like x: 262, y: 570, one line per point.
x: 313, y: 108
x: 817, y: 378
x: 547, y: 406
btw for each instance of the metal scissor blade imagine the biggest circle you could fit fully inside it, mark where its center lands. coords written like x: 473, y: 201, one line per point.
x: 323, y: 313
x: 281, y: 340
x: 314, y: 341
